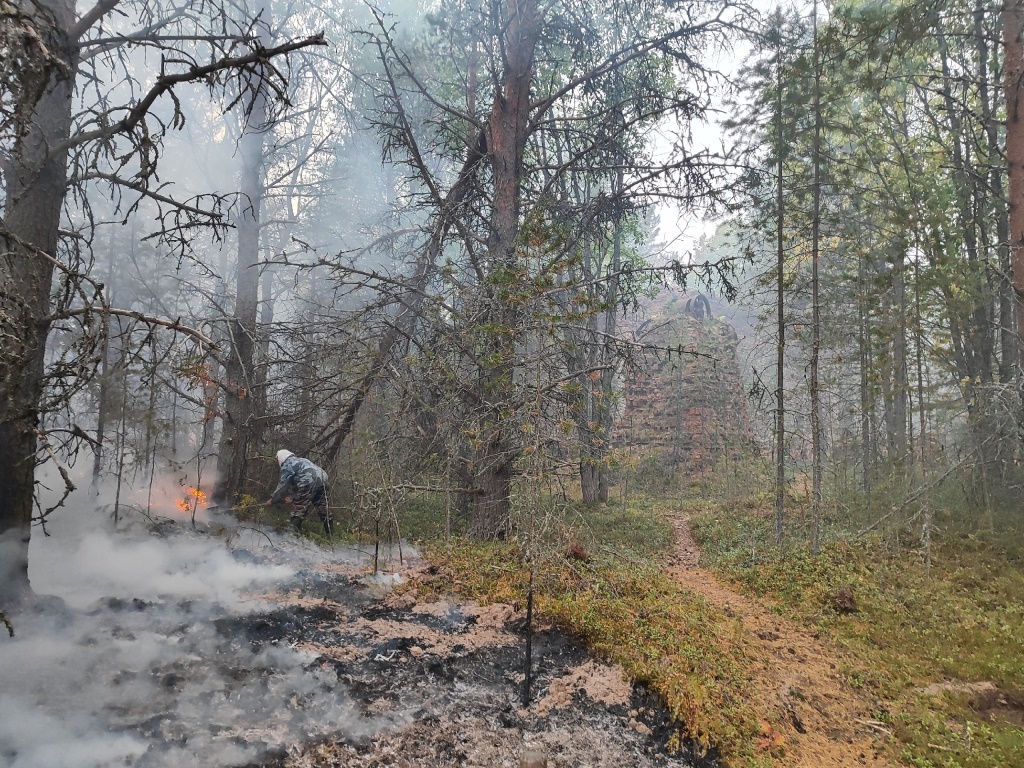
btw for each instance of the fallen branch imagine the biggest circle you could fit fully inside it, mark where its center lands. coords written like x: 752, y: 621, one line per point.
x: 876, y: 726
x: 257, y: 530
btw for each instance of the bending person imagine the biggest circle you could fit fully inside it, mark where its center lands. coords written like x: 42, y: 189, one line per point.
x: 305, y: 484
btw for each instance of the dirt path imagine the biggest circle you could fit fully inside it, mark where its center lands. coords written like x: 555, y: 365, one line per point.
x: 823, y: 721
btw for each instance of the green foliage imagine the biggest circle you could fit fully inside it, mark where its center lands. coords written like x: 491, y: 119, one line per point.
x: 424, y: 516
x: 250, y: 510
x: 961, y: 619
x: 736, y: 475
x: 630, y: 532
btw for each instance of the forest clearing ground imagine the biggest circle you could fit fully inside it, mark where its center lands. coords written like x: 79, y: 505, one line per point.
x: 820, y: 719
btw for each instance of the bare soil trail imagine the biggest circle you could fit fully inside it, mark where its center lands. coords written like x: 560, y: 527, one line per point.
x: 821, y: 719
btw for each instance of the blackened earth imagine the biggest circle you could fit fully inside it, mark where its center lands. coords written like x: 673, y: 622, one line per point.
x: 303, y: 681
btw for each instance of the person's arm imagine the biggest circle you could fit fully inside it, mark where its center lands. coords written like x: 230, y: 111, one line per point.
x: 287, y: 473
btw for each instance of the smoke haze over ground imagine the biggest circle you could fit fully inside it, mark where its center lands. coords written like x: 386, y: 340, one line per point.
x: 142, y: 663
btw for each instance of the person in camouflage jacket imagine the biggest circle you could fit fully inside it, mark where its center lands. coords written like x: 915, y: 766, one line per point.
x: 305, y: 485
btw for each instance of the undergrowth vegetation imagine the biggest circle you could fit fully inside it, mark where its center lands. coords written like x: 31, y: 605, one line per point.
x: 937, y: 645
x: 930, y: 636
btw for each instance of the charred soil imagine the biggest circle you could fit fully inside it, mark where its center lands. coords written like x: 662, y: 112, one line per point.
x: 449, y: 676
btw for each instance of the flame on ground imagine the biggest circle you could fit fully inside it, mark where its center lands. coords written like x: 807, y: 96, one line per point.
x: 192, y: 499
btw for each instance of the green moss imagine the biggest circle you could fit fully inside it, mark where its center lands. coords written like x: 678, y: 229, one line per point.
x: 598, y: 576
x: 960, y: 619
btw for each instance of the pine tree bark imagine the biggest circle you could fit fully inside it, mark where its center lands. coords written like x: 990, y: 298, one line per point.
x: 239, y: 376
x: 1013, y: 85
x: 508, y: 129
x: 37, y: 178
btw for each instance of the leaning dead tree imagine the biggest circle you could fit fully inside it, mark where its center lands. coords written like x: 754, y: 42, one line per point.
x: 53, y: 145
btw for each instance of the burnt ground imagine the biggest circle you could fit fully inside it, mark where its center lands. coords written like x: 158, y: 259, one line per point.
x: 264, y: 651
x: 451, y: 678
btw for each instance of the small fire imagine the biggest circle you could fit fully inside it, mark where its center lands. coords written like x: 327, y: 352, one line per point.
x: 193, y: 498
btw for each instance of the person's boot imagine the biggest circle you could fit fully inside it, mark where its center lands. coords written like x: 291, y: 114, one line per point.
x: 329, y: 528
x: 297, y: 524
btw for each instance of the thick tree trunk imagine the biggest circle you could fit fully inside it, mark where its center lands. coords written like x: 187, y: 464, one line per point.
x: 239, y: 378
x: 1013, y: 83
x: 590, y: 481
x: 35, y: 194
x: 508, y: 126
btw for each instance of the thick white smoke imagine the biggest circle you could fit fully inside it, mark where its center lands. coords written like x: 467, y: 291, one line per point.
x: 144, y: 661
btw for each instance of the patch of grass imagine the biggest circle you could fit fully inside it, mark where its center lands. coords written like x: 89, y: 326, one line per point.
x: 633, y: 532
x: 961, y: 619
x: 419, y: 516
x: 425, y: 516
x: 664, y: 637
x: 248, y: 509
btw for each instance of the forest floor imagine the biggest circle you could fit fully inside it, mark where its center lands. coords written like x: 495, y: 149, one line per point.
x: 864, y: 655
x: 820, y: 719
x: 230, y: 646
x: 919, y: 650
x: 447, y: 674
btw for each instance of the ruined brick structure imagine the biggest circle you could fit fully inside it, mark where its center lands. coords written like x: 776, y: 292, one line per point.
x: 690, y: 411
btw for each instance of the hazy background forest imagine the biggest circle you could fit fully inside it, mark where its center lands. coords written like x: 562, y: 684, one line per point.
x: 541, y: 277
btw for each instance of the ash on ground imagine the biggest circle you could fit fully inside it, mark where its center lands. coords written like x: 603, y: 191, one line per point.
x: 308, y: 660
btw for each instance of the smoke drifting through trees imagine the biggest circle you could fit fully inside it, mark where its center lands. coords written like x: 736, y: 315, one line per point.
x: 405, y: 243
x: 74, y: 118
x: 145, y: 664
x: 202, y: 262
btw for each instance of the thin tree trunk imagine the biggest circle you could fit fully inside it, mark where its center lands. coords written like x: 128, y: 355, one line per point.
x: 780, y: 311
x: 610, y: 324
x: 899, y: 358
x: 919, y: 347
x: 866, y: 399
x: 339, y: 427
x: 262, y: 366
x: 1008, y: 347
x: 816, y: 447
x: 104, y: 384
x: 978, y: 337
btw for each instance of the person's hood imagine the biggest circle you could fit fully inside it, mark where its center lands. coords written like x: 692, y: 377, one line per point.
x: 283, y: 455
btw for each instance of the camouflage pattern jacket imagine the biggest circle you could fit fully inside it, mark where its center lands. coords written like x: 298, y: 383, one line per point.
x: 296, y: 473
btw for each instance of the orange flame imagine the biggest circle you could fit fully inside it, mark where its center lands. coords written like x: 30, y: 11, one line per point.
x: 193, y: 498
